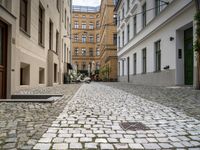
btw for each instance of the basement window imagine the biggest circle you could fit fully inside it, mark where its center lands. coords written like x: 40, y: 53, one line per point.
x: 41, y: 75
x: 24, y: 74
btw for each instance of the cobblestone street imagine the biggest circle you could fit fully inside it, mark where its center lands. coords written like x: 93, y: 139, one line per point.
x: 185, y: 99
x: 91, y: 120
x: 22, y: 124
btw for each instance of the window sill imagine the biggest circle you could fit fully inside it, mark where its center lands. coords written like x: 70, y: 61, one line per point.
x: 41, y: 45
x: 143, y: 73
x: 53, y: 51
x: 25, y: 32
x: 157, y: 71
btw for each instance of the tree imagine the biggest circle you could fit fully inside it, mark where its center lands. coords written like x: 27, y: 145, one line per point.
x: 197, y: 42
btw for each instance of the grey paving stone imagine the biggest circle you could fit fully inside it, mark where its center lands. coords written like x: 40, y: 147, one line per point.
x: 100, y: 140
x: 136, y: 146
x: 85, y: 139
x: 91, y: 145
x: 58, y: 140
x: 124, y: 140
x: 60, y: 146
x: 151, y: 146
x: 45, y: 140
x: 71, y: 140
x: 140, y: 140
x: 121, y: 146
x: 42, y: 146
x: 76, y: 146
x: 106, y: 146
x: 112, y: 140
x: 165, y: 145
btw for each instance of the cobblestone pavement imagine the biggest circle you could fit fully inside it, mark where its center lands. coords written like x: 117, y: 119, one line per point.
x: 22, y: 124
x: 185, y: 99
x: 91, y: 121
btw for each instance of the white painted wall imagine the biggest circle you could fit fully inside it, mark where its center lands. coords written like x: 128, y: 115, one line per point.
x: 26, y: 49
x: 167, y: 24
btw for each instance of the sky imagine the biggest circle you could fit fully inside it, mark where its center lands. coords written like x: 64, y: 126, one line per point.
x: 86, y: 2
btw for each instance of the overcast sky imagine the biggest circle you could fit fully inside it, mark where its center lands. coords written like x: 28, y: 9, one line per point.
x: 86, y: 2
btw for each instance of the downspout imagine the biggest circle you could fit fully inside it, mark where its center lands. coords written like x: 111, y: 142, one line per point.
x: 197, y: 4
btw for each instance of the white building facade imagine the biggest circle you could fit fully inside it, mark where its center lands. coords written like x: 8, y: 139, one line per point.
x: 33, y: 43
x: 155, y: 39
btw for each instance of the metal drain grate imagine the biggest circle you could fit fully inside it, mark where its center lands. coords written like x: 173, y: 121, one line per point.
x: 133, y: 126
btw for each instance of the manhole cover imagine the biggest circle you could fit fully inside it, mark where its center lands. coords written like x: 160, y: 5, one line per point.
x: 133, y: 126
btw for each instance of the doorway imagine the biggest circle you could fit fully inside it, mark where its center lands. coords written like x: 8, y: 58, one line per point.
x: 3, y: 59
x: 188, y: 56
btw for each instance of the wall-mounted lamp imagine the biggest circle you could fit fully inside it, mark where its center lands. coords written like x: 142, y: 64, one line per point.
x: 115, y: 18
x: 166, y: 67
x: 171, y: 38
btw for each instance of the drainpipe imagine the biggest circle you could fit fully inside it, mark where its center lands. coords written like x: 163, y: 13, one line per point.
x: 197, y: 3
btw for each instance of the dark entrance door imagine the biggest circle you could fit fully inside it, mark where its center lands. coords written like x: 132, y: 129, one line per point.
x: 188, y: 56
x: 3, y: 56
x: 128, y: 63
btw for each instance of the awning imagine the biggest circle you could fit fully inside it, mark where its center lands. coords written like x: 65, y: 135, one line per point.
x: 69, y: 66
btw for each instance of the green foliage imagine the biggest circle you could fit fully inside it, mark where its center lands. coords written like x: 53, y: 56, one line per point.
x: 197, y: 43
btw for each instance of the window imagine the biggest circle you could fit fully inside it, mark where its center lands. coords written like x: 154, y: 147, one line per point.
x: 115, y: 39
x: 6, y: 4
x: 128, y: 5
x: 123, y: 67
x: 83, y: 52
x: 76, y: 37
x: 157, y: 7
x: 50, y: 35
x: 83, y: 38
x: 97, y: 66
x: 91, y: 52
x: 144, y: 16
x: 123, y: 15
x: 58, y: 5
x: 65, y: 54
x: 97, y: 52
x: 97, y: 38
x: 118, y: 19
x: 134, y: 64
x: 41, y: 76
x: 128, y: 33
x: 157, y: 56
x: 135, y: 25
x: 91, y: 26
x: 91, y: 38
x: 55, y: 73
x: 118, y: 68
x: 65, y: 18
x: 57, y: 40
x: 98, y: 24
x: 76, y: 51
x: 83, y: 66
x: 76, y: 26
x: 118, y: 41
x: 41, y: 26
x: 83, y: 25
x: 91, y: 17
x: 24, y: 15
x: 83, y: 16
x: 24, y: 74
x: 77, y: 66
x: 144, y: 60
x: 123, y: 38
